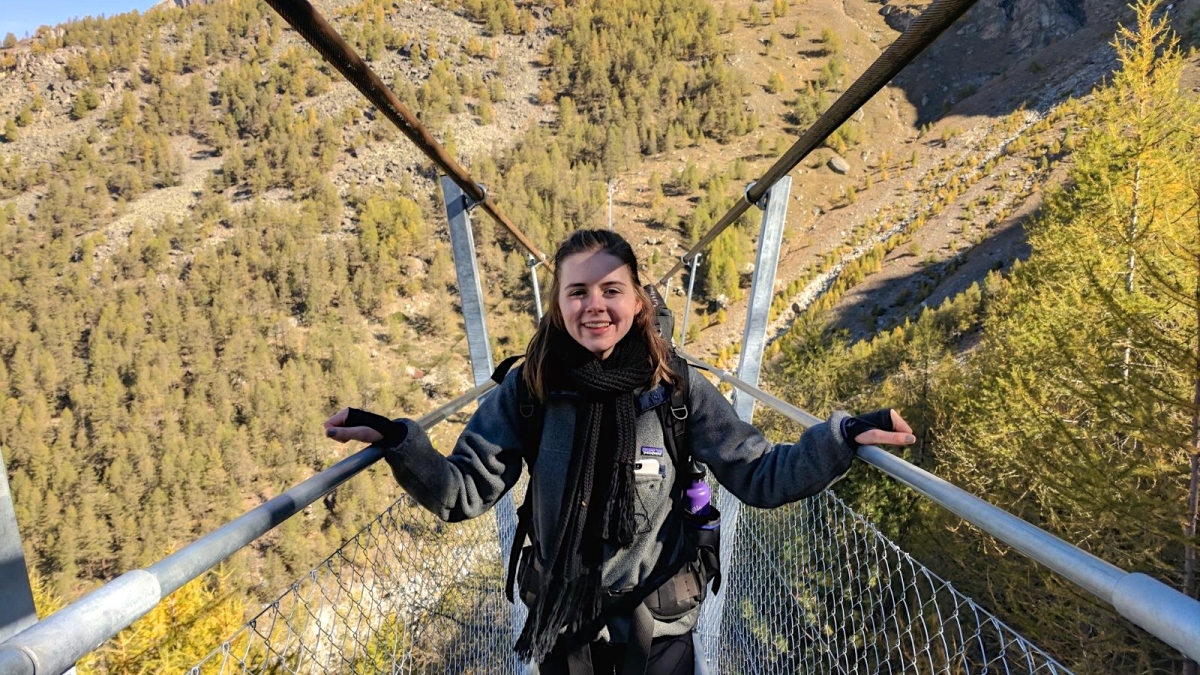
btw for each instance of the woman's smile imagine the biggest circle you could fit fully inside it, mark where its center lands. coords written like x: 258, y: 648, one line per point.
x: 598, y: 301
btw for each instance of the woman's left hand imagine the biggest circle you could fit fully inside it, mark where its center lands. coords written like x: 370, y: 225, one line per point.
x: 901, y: 434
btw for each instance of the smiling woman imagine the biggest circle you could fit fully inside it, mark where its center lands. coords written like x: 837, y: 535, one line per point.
x: 598, y: 298
x: 611, y: 573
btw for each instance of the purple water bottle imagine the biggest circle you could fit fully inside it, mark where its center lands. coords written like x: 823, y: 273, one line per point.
x: 698, y: 497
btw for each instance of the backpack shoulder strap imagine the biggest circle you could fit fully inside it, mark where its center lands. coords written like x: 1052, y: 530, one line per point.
x: 679, y: 396
x: 674, y: 416
x: 532, y: 413
x: 531, y: 418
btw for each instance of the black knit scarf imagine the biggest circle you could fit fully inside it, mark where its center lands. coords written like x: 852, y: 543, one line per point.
x: 597, y: 506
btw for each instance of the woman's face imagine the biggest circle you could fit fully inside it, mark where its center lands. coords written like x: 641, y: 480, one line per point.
x: 597, y: 300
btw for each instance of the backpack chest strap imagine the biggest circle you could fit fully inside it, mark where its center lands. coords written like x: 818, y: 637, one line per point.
x: 652, y: 399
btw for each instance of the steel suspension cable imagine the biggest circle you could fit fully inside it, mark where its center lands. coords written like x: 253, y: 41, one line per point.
x: 920, y: 34
x: 313, y: 27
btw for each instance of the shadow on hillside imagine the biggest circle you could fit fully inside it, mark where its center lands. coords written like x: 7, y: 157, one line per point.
x: 1006, y: 54
x: 818, y: 53
x: 881, y: 302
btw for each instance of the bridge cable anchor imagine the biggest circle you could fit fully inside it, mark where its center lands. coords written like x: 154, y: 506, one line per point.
x: 762, y: 201
x: 469, y: 203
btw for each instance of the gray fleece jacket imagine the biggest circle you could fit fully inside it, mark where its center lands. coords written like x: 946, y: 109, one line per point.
x: 487, y: 459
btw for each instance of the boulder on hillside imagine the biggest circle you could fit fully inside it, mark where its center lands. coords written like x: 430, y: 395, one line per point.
x: 898, y: 18
x: 838, y: 165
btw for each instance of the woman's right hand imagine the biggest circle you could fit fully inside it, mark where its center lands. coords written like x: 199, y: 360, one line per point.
x: 335, y: 428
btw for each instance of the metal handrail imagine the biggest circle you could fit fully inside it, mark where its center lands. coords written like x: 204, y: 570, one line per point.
x: 1160, y: 610
x: 54, y: 644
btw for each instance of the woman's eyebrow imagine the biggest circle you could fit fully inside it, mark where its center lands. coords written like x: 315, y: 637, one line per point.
x: 613, y: 282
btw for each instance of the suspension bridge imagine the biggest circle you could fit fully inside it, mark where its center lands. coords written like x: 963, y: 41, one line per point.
x: 810, y: 588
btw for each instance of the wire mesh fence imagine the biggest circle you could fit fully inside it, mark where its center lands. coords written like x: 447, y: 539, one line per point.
x: 407, y: 594
x: 814, y: 588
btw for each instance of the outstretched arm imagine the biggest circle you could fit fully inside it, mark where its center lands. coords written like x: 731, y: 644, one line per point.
x: 768, y: 475
x: 485, y: 463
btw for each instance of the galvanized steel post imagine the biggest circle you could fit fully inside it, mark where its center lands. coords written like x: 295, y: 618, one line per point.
x: 16, y: 598
x: 466, y: 270
x: 470, y: 291
x: 537, y: 289
x: 687, y: 305
x: 762, y: 292
x: 758, y: 314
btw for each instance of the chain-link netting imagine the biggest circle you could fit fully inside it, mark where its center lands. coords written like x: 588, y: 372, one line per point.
x: 813, y: 588
x: 407, y: 594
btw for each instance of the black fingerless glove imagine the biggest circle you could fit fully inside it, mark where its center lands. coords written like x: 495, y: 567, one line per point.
x: 393, y: 433
x: 853, y: 426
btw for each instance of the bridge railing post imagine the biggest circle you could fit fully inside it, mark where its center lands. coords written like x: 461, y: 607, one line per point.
x: 17, y: 611
x: 758, y: 314
x: 687, y: 305
x: 537, y: 288
x: 470, y: 289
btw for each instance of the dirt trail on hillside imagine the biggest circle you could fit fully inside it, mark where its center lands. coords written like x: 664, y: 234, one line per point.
x: 880, y: 301
x: 154, y: 207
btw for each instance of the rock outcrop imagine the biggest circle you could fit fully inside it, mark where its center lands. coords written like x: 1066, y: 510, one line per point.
x: 992, y: 37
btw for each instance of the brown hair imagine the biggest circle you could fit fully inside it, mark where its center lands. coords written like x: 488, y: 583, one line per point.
x: 552, y: 325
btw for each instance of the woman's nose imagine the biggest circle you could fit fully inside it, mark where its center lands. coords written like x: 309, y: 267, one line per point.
x: 593, y: 301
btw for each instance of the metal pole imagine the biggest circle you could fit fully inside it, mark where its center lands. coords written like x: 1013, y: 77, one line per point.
x: 779, y: 405
x: 537, y: 289
x: 762, y: 291
x: 313, y: 27
x: 470, y: 291
x: 53, y: 645
x: 466, y: 269
x: 611, y: 189
x: 687, y: 305
x: 937, y: 17
x: 17, y: 611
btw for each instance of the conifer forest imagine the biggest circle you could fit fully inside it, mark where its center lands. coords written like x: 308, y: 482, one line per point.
x: 211, y: 243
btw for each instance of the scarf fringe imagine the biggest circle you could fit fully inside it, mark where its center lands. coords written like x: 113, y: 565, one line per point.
x: 620, y: 507
x: 577, y: 605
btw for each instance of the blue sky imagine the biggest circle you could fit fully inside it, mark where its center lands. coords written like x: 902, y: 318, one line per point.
x: 24, y: 16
